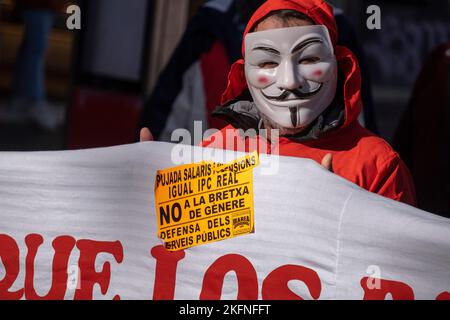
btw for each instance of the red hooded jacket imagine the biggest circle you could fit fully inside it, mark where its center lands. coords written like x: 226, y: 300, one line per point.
x: 358, y: 155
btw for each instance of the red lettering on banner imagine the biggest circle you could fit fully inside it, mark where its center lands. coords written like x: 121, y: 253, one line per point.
x: 63, y: 247
x: 9, y: 255
x: 443, y: 296
x: 275, y: 286
x: 88, y: 254
x: 166, y: 272
x: 398, y: 290
x: 215, y: 275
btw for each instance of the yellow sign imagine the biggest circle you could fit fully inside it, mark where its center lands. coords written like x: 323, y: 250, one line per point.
x: 205, y: 202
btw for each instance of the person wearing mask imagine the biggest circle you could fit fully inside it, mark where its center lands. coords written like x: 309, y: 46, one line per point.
x: 294, y: 78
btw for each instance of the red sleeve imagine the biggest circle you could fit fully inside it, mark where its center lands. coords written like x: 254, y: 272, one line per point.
x: 395, y: 181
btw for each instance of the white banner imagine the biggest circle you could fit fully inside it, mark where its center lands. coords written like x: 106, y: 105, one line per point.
x: 82, y: 225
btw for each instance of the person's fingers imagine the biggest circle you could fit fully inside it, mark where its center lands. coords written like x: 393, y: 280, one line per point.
x: 146, y: 135
x: 327, y: 162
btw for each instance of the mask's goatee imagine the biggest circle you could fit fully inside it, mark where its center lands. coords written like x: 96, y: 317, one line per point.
x: 294, y: 118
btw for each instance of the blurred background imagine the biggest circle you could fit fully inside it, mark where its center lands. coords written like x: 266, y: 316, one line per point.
x: 164, y: 64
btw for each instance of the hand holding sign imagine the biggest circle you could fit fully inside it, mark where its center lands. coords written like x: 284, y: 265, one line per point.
x: 146, y: 135
x: 327, y: 162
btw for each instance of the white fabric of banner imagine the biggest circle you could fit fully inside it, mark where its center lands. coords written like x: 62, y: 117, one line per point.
x: 309, y: 225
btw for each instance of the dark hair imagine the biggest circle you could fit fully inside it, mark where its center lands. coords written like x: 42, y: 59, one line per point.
x: 285, y: 16
x: 246, y: 8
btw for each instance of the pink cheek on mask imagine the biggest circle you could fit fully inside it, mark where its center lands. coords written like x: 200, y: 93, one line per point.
x: 318, y: 73
x: 263, y: 80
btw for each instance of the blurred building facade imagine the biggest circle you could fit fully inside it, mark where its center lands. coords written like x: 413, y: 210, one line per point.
x: 126, y: 45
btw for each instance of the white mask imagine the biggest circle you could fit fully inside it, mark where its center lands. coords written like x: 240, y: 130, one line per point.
x: 291, y: 73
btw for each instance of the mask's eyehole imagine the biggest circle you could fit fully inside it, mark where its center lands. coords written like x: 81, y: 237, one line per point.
x: 309, y: 60
x: 268, y: 65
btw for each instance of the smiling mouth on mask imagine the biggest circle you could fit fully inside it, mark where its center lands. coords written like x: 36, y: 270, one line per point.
x: 293, y: 95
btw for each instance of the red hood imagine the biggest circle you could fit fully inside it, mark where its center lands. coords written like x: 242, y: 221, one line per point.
x: 321, y: 13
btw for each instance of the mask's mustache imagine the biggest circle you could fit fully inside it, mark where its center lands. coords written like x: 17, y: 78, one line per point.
x: 299, y: 95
